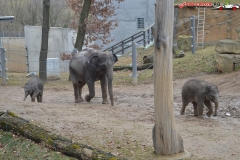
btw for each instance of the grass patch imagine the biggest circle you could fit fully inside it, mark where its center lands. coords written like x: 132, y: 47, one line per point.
x: 17, y: 147
x: 203, y: 61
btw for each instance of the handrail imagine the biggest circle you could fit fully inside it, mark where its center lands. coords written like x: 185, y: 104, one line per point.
x: 144, y: 36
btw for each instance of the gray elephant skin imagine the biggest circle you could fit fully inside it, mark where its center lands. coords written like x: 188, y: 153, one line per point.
x: 34, y: 88
x: 88, y: 66
x: 200, y: 92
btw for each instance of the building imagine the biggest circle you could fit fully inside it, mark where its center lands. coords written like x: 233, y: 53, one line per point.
x: 133, y: 16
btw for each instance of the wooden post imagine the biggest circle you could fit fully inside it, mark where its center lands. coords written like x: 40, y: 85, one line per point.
x: 166, y: 140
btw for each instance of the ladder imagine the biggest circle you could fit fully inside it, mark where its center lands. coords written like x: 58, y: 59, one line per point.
x: 200, y: 26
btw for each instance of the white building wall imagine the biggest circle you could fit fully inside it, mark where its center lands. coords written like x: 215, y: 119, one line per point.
x: 60, y: 40
x: 127, y: 15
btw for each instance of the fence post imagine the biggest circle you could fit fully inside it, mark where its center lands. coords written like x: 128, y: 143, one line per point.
x: 27, y: 62
x: 193, y: 46
x: 3, y: 68
x: 1, y: 40
x: 134, y: 62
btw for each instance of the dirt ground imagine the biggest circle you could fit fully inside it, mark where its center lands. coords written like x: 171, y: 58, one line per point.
x: 128, y: 125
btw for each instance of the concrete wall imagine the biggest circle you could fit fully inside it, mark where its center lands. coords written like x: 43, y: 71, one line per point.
x: 60, y: 40
x: 127, y: 15
x: 15, y: 54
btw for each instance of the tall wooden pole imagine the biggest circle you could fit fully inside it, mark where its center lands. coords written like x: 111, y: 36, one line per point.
x: 166, y: 140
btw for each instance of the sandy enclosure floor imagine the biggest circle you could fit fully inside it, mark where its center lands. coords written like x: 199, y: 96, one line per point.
x: 130, y: 121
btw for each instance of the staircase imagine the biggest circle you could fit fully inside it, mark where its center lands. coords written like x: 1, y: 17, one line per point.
x: 144, y: 37
x: 200, y: 26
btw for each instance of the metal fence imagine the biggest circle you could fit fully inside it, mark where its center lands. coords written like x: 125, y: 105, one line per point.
x: 12, y: 34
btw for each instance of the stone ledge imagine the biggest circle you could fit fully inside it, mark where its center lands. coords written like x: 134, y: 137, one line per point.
x: 228, y: 46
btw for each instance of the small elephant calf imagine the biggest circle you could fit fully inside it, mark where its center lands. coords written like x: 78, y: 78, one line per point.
x: 34, y: 87
x: 199, y: 93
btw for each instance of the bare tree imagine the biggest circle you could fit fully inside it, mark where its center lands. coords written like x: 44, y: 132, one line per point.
x: 100, y: 20
x: 44, y: 44
x: 29, y: 12
x: 82, y: 24
x: 166, y: 139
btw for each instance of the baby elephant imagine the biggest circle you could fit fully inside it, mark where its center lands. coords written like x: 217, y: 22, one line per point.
x: 34, y: 87
x: 199, y: 93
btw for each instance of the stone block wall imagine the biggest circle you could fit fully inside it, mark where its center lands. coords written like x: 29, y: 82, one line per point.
x: 228, y: 54
x: 219, y: 24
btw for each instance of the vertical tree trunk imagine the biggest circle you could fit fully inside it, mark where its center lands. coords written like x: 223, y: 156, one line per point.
x: 82, y: 24
x: 166, y: 139
x: 44, y: 44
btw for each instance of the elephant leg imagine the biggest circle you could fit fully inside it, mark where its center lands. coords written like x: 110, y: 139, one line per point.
x: 104, y: 89
x: 81, y: 84
x: 76, y: 92
x: 32, y: 97
x: 184, y: 104
x: 91, y: 94
x: 200, y: 107
x: 39, y: 97
x: 210, y: 108
x: 195, y: 108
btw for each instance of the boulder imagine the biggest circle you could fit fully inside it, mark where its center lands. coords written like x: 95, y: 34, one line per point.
x: 184, y: 42
x: 225, y: 62
x: 177, y: 53
x: 228, y: 46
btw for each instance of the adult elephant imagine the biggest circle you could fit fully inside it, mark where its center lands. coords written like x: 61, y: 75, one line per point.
x: 88, y: 66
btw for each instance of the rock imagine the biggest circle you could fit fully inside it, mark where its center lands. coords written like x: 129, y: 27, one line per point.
x: 225, y: 62
x: 177, y: 53
x: 236, y: 62
x: 228, y: 46
x: 184, y: 42
x: 147, y: 59
x: 87, y: 152
x: 238, y: 32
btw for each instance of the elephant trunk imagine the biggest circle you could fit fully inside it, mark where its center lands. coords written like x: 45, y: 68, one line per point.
x: 216, y: 107
x: 26, y: 94
x: 110, y: 79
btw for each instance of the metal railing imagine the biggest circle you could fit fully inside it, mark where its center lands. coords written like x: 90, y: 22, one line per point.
x: 144, y: 36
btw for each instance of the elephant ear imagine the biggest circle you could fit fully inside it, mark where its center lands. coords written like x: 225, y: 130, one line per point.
x: 206, y: 90
x: 115, y: 59
x: 93, y: 60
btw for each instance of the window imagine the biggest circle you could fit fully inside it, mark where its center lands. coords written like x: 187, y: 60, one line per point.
x: 140, y: 23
